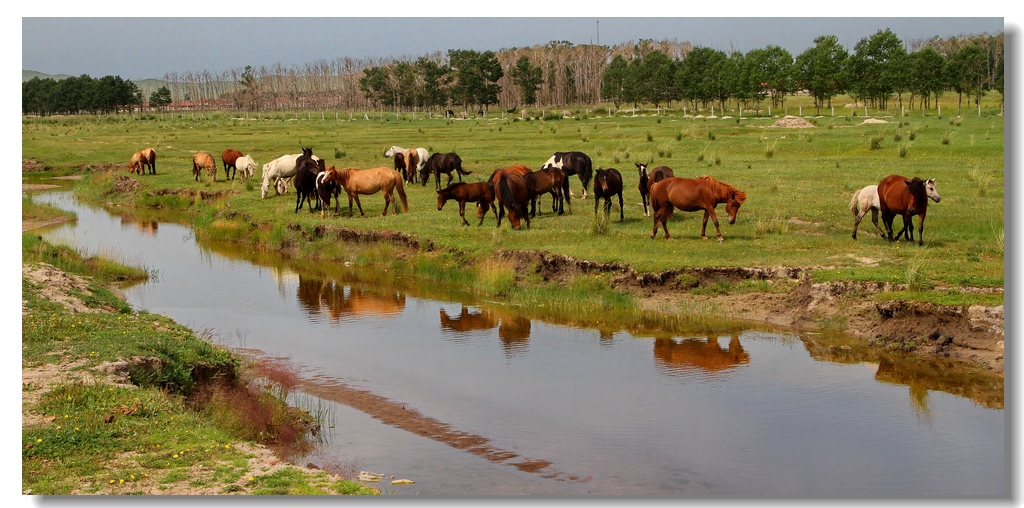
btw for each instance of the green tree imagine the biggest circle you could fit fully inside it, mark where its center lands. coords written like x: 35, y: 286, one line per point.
x: 437, y: 80
x: 160, y: 98
x: 476, y: 77
x: 613, y: 81
x: 820, y: 69
x: 966, y: 72
x: 699, y: 76
x: 928, y: 74
x: 877, y: 67
x: 528, y: 78
x: 655, y: 78
x: 771, y: 73
x: 375, y: 83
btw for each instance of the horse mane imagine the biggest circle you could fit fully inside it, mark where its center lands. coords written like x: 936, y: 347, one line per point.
x: 724, y: 189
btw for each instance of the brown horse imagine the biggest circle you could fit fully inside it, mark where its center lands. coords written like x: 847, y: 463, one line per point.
x: 481, y: 193
x: 369, y: 181
x: 692, y: 195
x: 899, y: 196
x: 546, y: 181
x: 643, y: 186
x: 400, y: 165
x: 228, y: 158
x: 608, y: 183
x: 201, y: 161
x: 412, y: 161
x: 442, y: 163
x: 512, y: 195
x: 143, y: 159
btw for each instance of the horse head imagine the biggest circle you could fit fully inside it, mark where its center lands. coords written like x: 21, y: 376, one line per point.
x: 931, y: 191
x: 308, y: 152
x: 441, y: 199
x: 732, y: 206
x: 390, y: 152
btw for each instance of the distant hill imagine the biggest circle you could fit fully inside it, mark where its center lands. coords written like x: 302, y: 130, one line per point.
x: 27, y: 75
x: 147, y: 86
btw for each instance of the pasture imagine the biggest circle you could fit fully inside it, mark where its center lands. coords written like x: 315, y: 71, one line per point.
x: 798, y: 181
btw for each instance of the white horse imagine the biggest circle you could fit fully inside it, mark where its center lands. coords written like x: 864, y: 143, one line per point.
x: 279, y: 169
x: 246, y: 166
x: 422, y: 153
x: 862, y: 201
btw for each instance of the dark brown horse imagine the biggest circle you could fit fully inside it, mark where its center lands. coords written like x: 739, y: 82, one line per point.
x: 643, y: 187
x: 608, y: 183
x: 546, y: 181
x: 481, y: 193
x: 572, y: 163
x: 442, y: 163
x: 327, y: 189
x: 905, y: 197
x: 400, y: 164
x: 510, y: 191
x: 692, y: 195
x: 228, y: 158
x: 306, y: 171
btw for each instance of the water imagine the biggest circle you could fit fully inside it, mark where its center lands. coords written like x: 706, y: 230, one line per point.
x: 471, y: 400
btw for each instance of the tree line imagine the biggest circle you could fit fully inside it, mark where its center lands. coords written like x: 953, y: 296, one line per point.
x: 877, y: 71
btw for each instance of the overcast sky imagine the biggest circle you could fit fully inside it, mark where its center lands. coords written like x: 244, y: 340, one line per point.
x: 139, y: 48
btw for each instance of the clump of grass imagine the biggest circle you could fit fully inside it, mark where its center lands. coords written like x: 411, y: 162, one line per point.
x: 898, y: 136
x: 912, y: 135
x: 769, y: 148
x: 915, y: 277
x: 876, y: 141
x: 599, y: 225
x: 711, y: 135
x: 946, y: 137
x: 774, y: 225
x: 904, y: 148
x: 650, y: 136
x: 495, y: 277
x: 338, y: 154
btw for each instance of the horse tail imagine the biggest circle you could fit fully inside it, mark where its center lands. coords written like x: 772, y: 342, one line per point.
x: 855, y: 202
x: 507, y: 198
x: 401, y: 194
x: 458, y: 166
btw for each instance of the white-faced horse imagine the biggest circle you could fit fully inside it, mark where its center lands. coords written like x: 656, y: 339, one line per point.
x: 280, y: 168
x: 572, y: 163
x: 863, y: 201
x: 421, y: 153
x: 246, y: 166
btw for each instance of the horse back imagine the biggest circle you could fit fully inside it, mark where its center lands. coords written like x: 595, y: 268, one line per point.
x: 230, y: 156
x: 894, y: 196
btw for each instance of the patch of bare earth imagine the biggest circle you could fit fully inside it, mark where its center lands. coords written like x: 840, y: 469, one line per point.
x: 792, y: 122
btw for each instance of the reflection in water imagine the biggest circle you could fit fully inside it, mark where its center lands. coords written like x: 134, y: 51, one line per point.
x: 337, y: 301
x: 513, y: 329
x: 707, y: 356
x: 145, y: 227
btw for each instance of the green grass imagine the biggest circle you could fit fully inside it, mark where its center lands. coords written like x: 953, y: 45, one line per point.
x: 796, y: 213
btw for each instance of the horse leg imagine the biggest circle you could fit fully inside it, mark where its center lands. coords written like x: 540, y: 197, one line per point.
x: 920, y: 232
x: 874, y: 220
x: 462, y: 213
x: 856, y: 222
x: 622, y: 216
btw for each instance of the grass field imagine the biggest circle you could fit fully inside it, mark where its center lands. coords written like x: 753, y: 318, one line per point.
x: 798, y: 181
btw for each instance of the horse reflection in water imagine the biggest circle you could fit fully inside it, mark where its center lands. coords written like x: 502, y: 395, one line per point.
x: 337, y: 301
x: 688, y: 355
x: 513, y: 330
x: 146, y: 227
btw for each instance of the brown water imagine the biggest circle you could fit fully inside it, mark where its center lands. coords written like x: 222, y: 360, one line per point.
x: 469, y: 399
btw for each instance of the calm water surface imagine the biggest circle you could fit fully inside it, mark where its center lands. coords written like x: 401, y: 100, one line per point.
x: 555, y: 410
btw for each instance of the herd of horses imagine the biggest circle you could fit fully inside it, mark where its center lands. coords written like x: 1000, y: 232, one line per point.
x: 515, y: 190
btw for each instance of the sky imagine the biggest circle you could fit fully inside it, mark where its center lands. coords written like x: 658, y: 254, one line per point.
x: 151, y: 47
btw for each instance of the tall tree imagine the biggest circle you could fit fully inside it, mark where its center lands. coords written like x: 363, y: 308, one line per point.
x: 476, y: 76
x: 966, y: 72
x: 613, y: 82
x: 820, y: 69
x: 528, y: 78
x: 437, y: 80
x: 771, y: 71
x: 928, y: 74
x: 876, y: 66
x: 699, y: 76
x: 160, y: 98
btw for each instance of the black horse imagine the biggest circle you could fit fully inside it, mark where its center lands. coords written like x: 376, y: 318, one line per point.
x: 572, y: 163
x: 442, y: 163
x: 608, y: 183
x: 306, y: 170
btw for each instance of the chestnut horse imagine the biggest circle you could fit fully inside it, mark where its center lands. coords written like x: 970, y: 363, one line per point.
x: 900, y: 196
x: 692, y: 195
x: 143, y: 159
x: 442, y: 163
x: 510, y: 191
x: 481, y: 193
x: 229, y: 158
x: 608, y: 183
x: 369, y: 181
x: 546, y: 181
x: 201, y: 161
x: 400, y: 165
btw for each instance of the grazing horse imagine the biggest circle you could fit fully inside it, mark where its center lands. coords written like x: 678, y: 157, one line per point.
x: 608, y: 183
x: 400, y: 165
x: 230, y: 159
x: 900, y: 196
x: 279, y: 169
x: 481, y: 193
x: 442, y: 163
x: 141, y: 160
x: 246, y: 166
x: 572, y: 163
x: 550, y: 181
x: 304, y: 181
x: 411, y: 166
x: 369, y: 181
x: 861, y: 203
x: 692, y: 195
x: 510, y: 191
x: 643, y: 187
x: 201, y: 161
